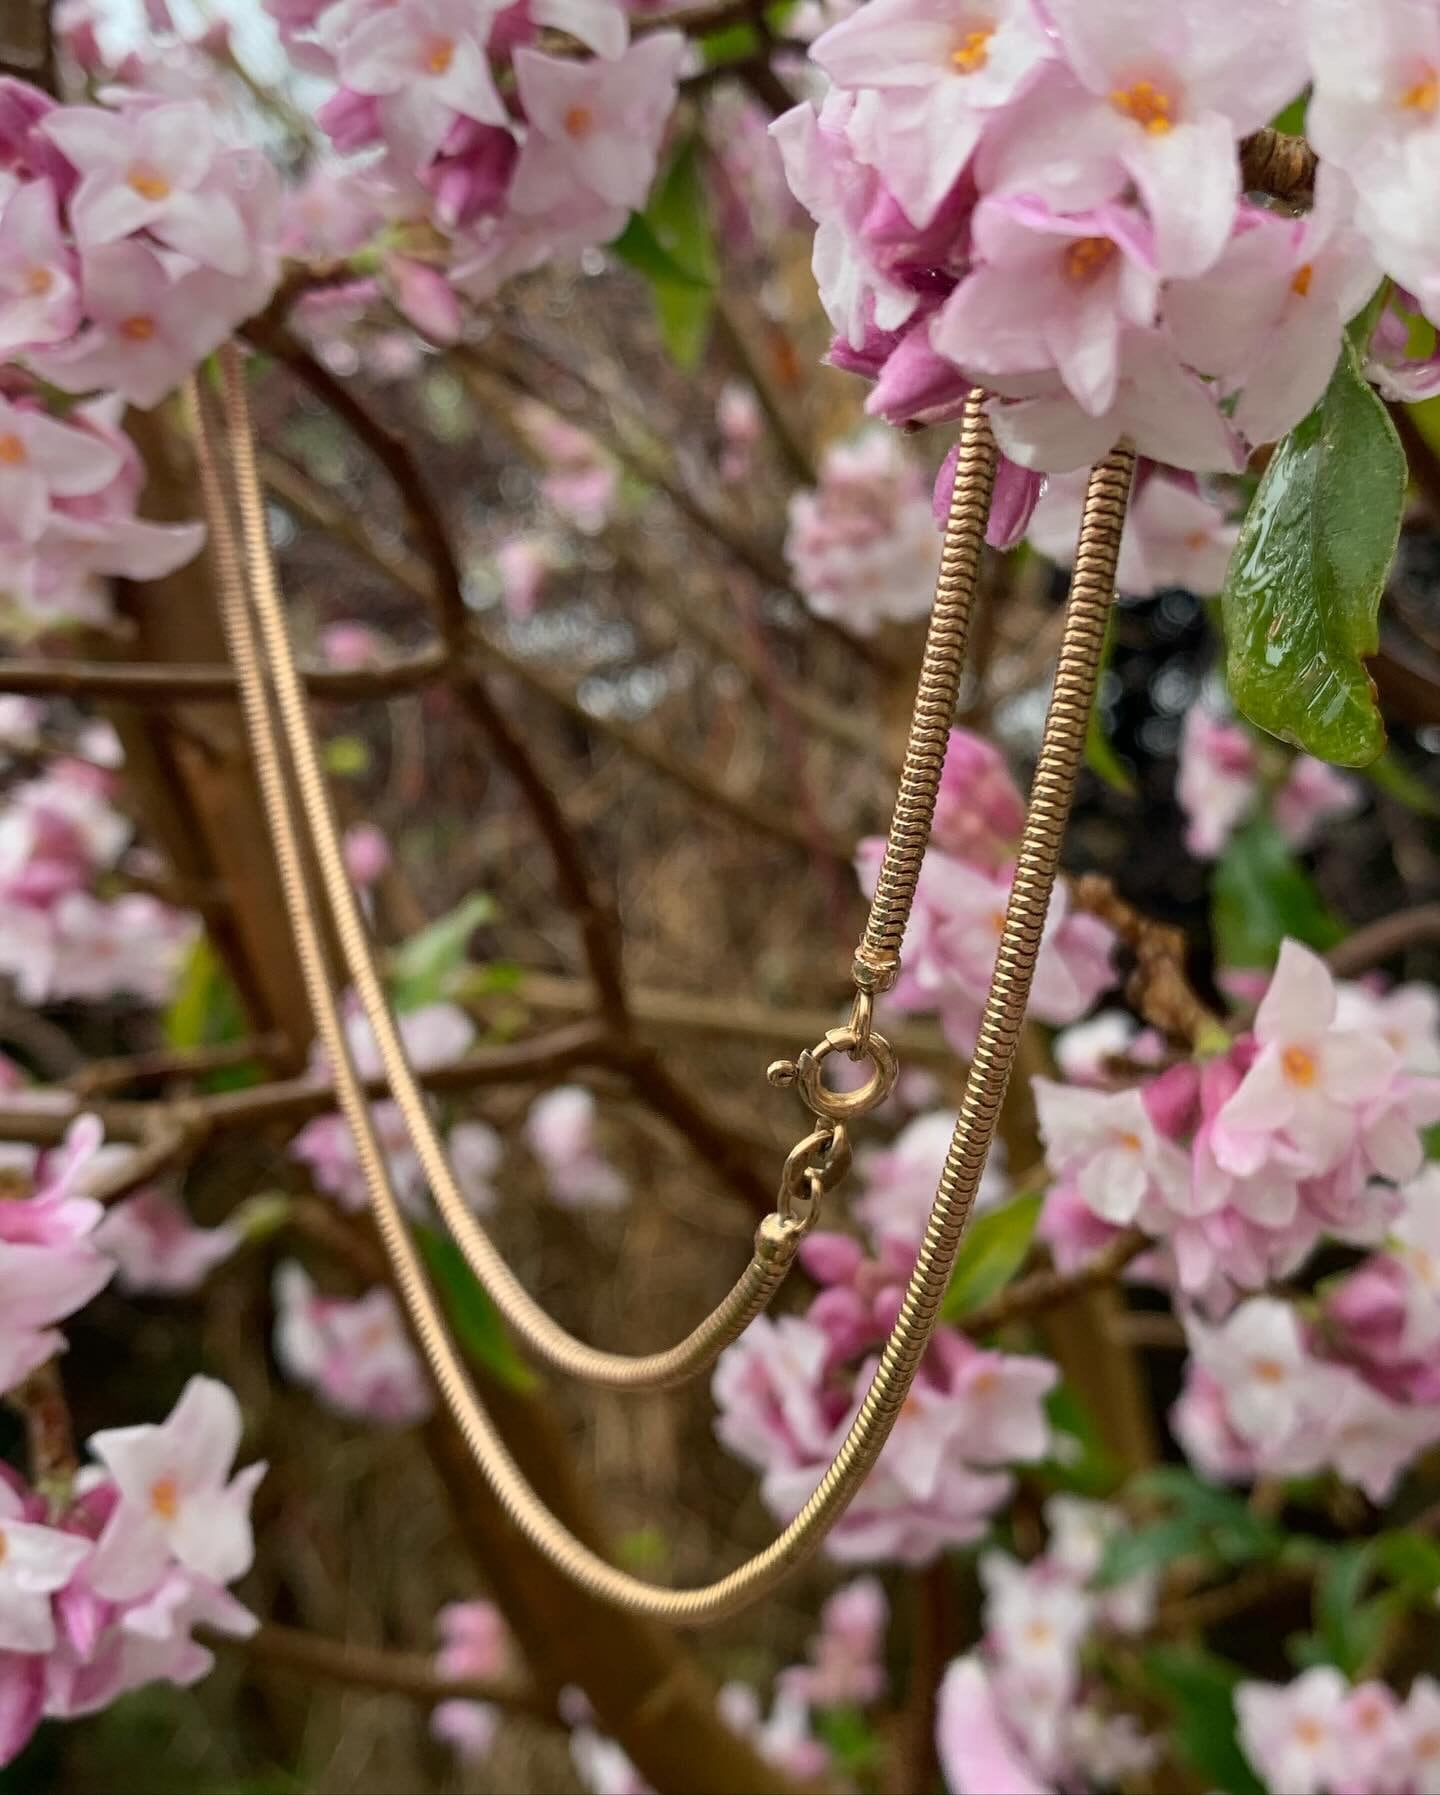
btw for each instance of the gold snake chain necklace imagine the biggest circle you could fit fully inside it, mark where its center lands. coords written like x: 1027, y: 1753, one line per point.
x: 323, y: 908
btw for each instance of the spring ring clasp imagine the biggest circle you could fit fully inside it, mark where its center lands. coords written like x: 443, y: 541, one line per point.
x: 840, y: 1106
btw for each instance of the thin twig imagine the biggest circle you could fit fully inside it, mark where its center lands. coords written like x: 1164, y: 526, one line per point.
x: 1383, y: 940
x: 143, y: 682
x: 102, y: 1076
x: 1046, y: 1289
x: 371, y: 1667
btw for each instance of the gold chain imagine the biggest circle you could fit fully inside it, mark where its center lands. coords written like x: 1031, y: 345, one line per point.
x: 249, y: 592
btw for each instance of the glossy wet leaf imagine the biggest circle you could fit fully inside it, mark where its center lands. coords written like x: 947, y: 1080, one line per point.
x: 991, y: 1253
x: 1303, y: 590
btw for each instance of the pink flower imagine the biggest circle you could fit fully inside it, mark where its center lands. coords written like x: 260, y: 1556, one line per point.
x: 42, y: 460
x: 476, y: 1644
x: 156, y: 1247
x: 425, y: 62
x: 859, y: 294
x: 1218, y: 783
x: 1298, y: 1101
x: 782, y: 1737
x: 1313, y: 794
x: 1174, y: 535
x: 741, y: 427
x: 425, y: 298
x: 367, y: 853
x: 581, y: 483
x: 352, y: 645
x: 979, y: 812
x: 36, y: 1562
x: 145, y: 331
x: 22, y: 1701
x: 41, y: 1284
x: 1164, y: 409
x: 595, y: 125
x: 152, y: 170
x: 524, y: 567
x: 862, y: 546
x: 846, y: 1667
x: 901, y: 1179
x: 1292, y: 1733
x: 1270, y: 315
x: 1201, y: 1423
x: 475, y: 1154
x: 356, y: 1356
x: 560, y: 1130
x: 39, y: 298
x: 178, y: 1502
x: 1107, y: 1145
x: 978, y: 1753
x: 1050, y: 290
x: 1158, y: 100
x: 944, y: 73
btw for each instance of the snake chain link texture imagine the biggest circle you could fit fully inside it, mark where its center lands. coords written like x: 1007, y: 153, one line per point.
x: 1091, y: 593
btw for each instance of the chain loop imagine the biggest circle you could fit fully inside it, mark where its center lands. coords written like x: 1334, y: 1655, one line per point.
x: 815, y: 1165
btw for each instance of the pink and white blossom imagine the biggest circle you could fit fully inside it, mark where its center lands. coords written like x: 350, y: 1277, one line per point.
x: 356, y: 1356
x: 561, y: 1132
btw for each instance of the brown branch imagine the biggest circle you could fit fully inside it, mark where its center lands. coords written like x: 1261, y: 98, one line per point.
x: 1384, y: 939
x: 374, y: 1668
x: 142, y: 681
x: 1277, y: 163
x: 170, y: 1142
x: 49, y: 1432
x: 102, y: 1076
x: 1157, y: 986
x: 295, y: 1100
x: 1047, y: 1289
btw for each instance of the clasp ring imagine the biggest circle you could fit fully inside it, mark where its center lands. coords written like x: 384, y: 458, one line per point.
x: 841, y: 1106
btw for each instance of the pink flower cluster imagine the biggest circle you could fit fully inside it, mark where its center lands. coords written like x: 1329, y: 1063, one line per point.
x: 132, y: 240
x: 59, y: 835
x: 356, y: 1356
x: 1017, y: 1715
x: 900, y: 1182
x: 1046, y: 200
x: 434, y: 1035
x: 950, y: 945
x: 1176, y: 534
x: 477, y: 1645
x: 561, y: 1132
x: 1264, y: 1397
x: 514, y: 153
x: 861, y: 546
x: 1321, y: 1735
x: 49, y: 1265
x: 789, y: 1388
x: 1240, y: 1164
x: 100, y: 1590
x: 1222, y: 785
x: 580, y: 480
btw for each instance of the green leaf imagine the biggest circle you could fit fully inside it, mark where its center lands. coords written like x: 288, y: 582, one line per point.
x: 205, y: 1010
x: 1348, y: 1627
x: 424, y: 969
x: 1082, y: 1463
x: 639, y: 247
x: 671, y: 244
x: 1409, y: 1560
x: 1148, y: 1548
x: 991, y: 1253
x: 1260, y: 895
x: 1200, y: 1689
x: 471, y: 1313
x: 1303, y: 590
x: 1230, y: 1529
